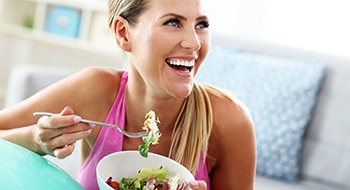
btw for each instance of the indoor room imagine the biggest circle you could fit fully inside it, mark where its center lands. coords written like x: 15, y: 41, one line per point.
x: 287, y: 61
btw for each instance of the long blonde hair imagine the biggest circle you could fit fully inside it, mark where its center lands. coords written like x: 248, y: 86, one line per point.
x: 192, y: 129
x: 194, y: 125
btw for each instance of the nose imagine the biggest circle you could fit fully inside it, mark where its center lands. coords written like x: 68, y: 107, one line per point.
x: 190, y: 40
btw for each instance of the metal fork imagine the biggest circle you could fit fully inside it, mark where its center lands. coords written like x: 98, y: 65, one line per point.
x: 126, y: 133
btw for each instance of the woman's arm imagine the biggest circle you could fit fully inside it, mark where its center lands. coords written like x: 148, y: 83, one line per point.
x: 18, y: 125
x: 236, y: 149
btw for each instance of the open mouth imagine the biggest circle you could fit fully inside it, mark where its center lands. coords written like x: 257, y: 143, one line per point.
x: 180, y: 65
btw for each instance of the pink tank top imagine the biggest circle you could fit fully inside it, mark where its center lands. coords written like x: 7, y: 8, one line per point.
x: 110, y: 140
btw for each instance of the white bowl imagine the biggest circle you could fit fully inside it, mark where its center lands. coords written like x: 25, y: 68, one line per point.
x: 128, y: 163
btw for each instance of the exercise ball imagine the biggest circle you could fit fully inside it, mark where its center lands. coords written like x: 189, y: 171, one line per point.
x: 21, y: 168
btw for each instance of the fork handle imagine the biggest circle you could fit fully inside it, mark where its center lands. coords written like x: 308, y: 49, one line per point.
x: 82, y: 120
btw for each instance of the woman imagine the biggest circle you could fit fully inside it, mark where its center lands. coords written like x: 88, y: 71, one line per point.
x: 165, y: 42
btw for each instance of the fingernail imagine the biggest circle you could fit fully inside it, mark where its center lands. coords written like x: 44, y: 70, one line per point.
x: 194, y: 183
x: 45, y: 120
x: 64, y: 109
x: 89, y: 131
x: 92, y: 125
x: 77, y: 119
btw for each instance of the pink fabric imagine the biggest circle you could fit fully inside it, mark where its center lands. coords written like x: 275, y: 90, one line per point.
x: 110, y: 140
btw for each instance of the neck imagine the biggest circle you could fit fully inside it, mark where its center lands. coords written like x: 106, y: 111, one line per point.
x: 139, y: 102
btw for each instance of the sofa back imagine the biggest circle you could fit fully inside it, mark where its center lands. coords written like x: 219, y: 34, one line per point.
x: 326, y: 151
x: 326, y: 154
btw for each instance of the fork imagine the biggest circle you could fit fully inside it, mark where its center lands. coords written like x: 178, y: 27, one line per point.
x: 126, y: 133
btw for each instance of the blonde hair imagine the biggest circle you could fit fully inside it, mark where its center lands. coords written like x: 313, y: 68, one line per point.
x: 130, y: 10
x: 195, y: 121
x: 193, y: 127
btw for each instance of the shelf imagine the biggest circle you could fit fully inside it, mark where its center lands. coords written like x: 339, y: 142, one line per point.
x: 32, y: 20
x: 92, y: 5
x: 29, y: 34
x: 25, y: 24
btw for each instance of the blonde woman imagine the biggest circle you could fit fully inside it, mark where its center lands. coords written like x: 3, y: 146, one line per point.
x: 165, y: 42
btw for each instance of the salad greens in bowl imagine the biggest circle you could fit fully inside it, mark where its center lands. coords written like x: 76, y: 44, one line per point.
x: 130, y: 170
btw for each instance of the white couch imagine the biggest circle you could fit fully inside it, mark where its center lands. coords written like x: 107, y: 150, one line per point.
x: 325, y: 154
x: 325, y: 158
x: 325, y: 161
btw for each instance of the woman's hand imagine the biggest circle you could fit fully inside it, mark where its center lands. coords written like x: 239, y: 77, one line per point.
x: 56, y: 135
x: 199, y: 184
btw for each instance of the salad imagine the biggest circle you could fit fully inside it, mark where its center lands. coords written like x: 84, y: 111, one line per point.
x: 148, y: 179
x: 151, y: 126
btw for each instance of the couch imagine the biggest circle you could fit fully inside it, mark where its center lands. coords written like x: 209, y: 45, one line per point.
x: 296, y: 89
x: 298, y: 99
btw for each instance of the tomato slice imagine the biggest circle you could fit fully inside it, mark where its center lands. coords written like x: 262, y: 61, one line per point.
x: 113, y: 184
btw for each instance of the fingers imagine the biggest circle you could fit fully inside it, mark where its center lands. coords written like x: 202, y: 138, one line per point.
x: 48, y: 133
x: 63, y: 152
x: 57, y: 134
x: 199, y: 184
x: 62, y: 142
x: 67, y: 111
x: 63, y: 145
x: 58, y: 121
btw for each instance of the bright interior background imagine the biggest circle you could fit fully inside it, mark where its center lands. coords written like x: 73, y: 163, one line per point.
x: 319, y: 25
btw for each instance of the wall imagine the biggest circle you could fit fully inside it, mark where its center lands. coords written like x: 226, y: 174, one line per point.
x: 319, y: 25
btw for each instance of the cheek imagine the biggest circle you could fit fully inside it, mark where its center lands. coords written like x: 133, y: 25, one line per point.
x: 144, y: 49
x: 159, y: 41
x: 159, y: 46
x: 143, y: 38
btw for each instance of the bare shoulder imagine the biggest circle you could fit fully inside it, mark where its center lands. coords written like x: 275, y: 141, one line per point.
x: 232, y: 121
x: 232, y: 149
x: 230, y: 114
x: 92, y: 83
x: 94, y: 87
x: 97, y: 76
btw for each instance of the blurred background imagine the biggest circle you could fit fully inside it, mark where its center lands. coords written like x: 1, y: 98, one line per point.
x: 73, y: 33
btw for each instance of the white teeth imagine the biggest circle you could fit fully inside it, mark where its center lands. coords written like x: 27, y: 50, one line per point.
x: 182, y: 63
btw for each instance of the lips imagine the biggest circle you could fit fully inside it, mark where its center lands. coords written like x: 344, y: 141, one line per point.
x: 180, y: 64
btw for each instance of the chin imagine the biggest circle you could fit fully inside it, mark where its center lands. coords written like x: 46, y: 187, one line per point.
x: 183, y: 91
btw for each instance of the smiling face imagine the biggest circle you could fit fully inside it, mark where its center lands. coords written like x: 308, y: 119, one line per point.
x: 168, y: 45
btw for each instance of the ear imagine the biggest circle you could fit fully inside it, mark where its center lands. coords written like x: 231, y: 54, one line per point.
x: 120, y: 28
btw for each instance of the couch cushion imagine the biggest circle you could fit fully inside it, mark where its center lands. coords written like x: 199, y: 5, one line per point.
x: 280, y: 93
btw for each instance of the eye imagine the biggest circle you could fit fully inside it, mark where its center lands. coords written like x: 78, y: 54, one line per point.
x: 203, y: 24
x: 173, y: 22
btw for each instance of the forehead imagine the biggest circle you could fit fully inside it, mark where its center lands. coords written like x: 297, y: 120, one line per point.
x: 183, y: 7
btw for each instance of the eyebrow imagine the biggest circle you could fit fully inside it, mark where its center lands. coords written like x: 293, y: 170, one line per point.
x: 184, y: 18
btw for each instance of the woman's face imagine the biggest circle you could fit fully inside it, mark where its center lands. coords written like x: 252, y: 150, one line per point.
x: 168, y: 45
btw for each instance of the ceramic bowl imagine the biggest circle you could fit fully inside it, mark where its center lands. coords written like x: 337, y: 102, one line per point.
x: 128, y: 163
